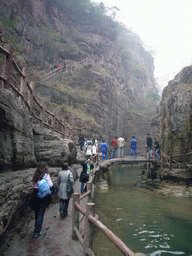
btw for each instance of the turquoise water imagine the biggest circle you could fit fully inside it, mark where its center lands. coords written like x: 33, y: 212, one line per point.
x: 145, y: 222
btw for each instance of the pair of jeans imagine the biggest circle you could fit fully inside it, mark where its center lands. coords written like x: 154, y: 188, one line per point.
x: 121, y: 151
x: 114, y: 152
x: 81, y: 145
x: 104, y: 155
x: 64, y: 204
x: 83, y: 187
x: 135, y: 150
x: 149, y: 151
x: 157, y: 153
x: 39, y: 216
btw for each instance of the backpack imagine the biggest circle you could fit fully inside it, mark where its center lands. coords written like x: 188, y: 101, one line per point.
x: 43, y: 188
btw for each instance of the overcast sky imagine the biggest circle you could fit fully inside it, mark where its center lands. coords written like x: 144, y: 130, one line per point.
x: 165, y: 27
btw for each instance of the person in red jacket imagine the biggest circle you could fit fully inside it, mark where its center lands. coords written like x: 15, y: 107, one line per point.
x: 114, y: 150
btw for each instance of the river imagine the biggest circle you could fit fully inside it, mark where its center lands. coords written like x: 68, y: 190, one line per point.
x: 144, y: 221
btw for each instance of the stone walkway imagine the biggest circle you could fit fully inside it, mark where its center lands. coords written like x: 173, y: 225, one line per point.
x: 56, y: 235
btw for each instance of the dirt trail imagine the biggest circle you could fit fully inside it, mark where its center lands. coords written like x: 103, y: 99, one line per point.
x: 56, y: 235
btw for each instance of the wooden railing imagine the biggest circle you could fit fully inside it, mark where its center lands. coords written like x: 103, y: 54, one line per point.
x: 90, y: 222
x: 74, y: 66
x: 168, y: 160
x: 95, y: 159
x: 71, y: 68
x: 24, y: 93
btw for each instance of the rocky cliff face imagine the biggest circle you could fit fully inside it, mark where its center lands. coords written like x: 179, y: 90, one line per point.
x: 175, y: 112
x: 175, y: 128
x: 107, y: 89
x: 23, y: 144
x: 16, y: 134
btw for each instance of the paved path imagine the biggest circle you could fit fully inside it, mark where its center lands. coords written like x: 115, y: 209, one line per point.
x: 56, y: 235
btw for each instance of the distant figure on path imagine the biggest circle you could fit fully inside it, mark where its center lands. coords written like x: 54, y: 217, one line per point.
x: 114, y: 150
x: 149, y: 145
x: 156, y: 148
x: 55, y: 67
x: 133, y: 146
x: 81, y: 142
x: 89, y: 151
x: 40, y: 204
x: 94, y: 150
x: 95, y: 140
x: 62, y: 179
x: 104, y: 149
x: 121, y: 144
x: 64, y: 66
x: 84, y: 176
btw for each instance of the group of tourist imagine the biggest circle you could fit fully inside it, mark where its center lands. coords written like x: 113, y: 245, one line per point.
x: 149, y: 146
x: 43, y: 188
x: 118, y: 144
x: 43, y: 191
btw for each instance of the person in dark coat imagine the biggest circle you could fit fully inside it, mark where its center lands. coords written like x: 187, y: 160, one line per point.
x: 156, y: 148
x: 84, y: 176
x: 149, y: 145
x: 81, y: 142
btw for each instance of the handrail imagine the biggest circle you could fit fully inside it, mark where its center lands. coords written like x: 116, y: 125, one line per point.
x: 26, y: 96
x: 4, y: 51
x: 112, y: 237
x: 89, y: 218
x: 17, y: 68
x: 169, y: 159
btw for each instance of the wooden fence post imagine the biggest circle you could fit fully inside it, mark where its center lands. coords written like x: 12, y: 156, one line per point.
x: 42, y: 116
x: 7, y: 66
x: 170, y: 161
x: 75, y: 215
x: 53, y: 123
x: 89, y: 187
x: 63, y: 128
x: 32, y: 86
x: 88, y: 229
x: 91, y: 174
x: 22, y: 86
x: 67, y: 130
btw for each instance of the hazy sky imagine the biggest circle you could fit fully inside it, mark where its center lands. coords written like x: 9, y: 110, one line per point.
x: 165, y: 27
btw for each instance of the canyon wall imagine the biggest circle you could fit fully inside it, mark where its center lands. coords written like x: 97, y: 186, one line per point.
x: 107, y: 93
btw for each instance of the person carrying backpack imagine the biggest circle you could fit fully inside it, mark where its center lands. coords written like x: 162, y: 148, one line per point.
x: 41, y: 195
x: 62, y: 179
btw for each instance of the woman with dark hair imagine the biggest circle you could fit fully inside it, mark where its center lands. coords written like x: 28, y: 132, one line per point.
x: 62, y: 179
x: 40, y: 204
x: 84, y: 176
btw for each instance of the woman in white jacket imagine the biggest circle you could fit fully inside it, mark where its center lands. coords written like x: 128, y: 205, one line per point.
x: 63, y: 176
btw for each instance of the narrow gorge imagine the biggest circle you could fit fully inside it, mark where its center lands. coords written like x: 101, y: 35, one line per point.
x: 93, y: 72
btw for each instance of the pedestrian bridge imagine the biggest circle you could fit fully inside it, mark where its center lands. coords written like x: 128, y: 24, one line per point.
x: 126, y: 160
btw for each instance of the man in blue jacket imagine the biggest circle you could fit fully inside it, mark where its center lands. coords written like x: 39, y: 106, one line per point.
x: 133, y: 146
x: 104, y: 149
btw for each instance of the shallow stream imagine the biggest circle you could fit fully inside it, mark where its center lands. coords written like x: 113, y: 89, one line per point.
x: 144, y: 221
